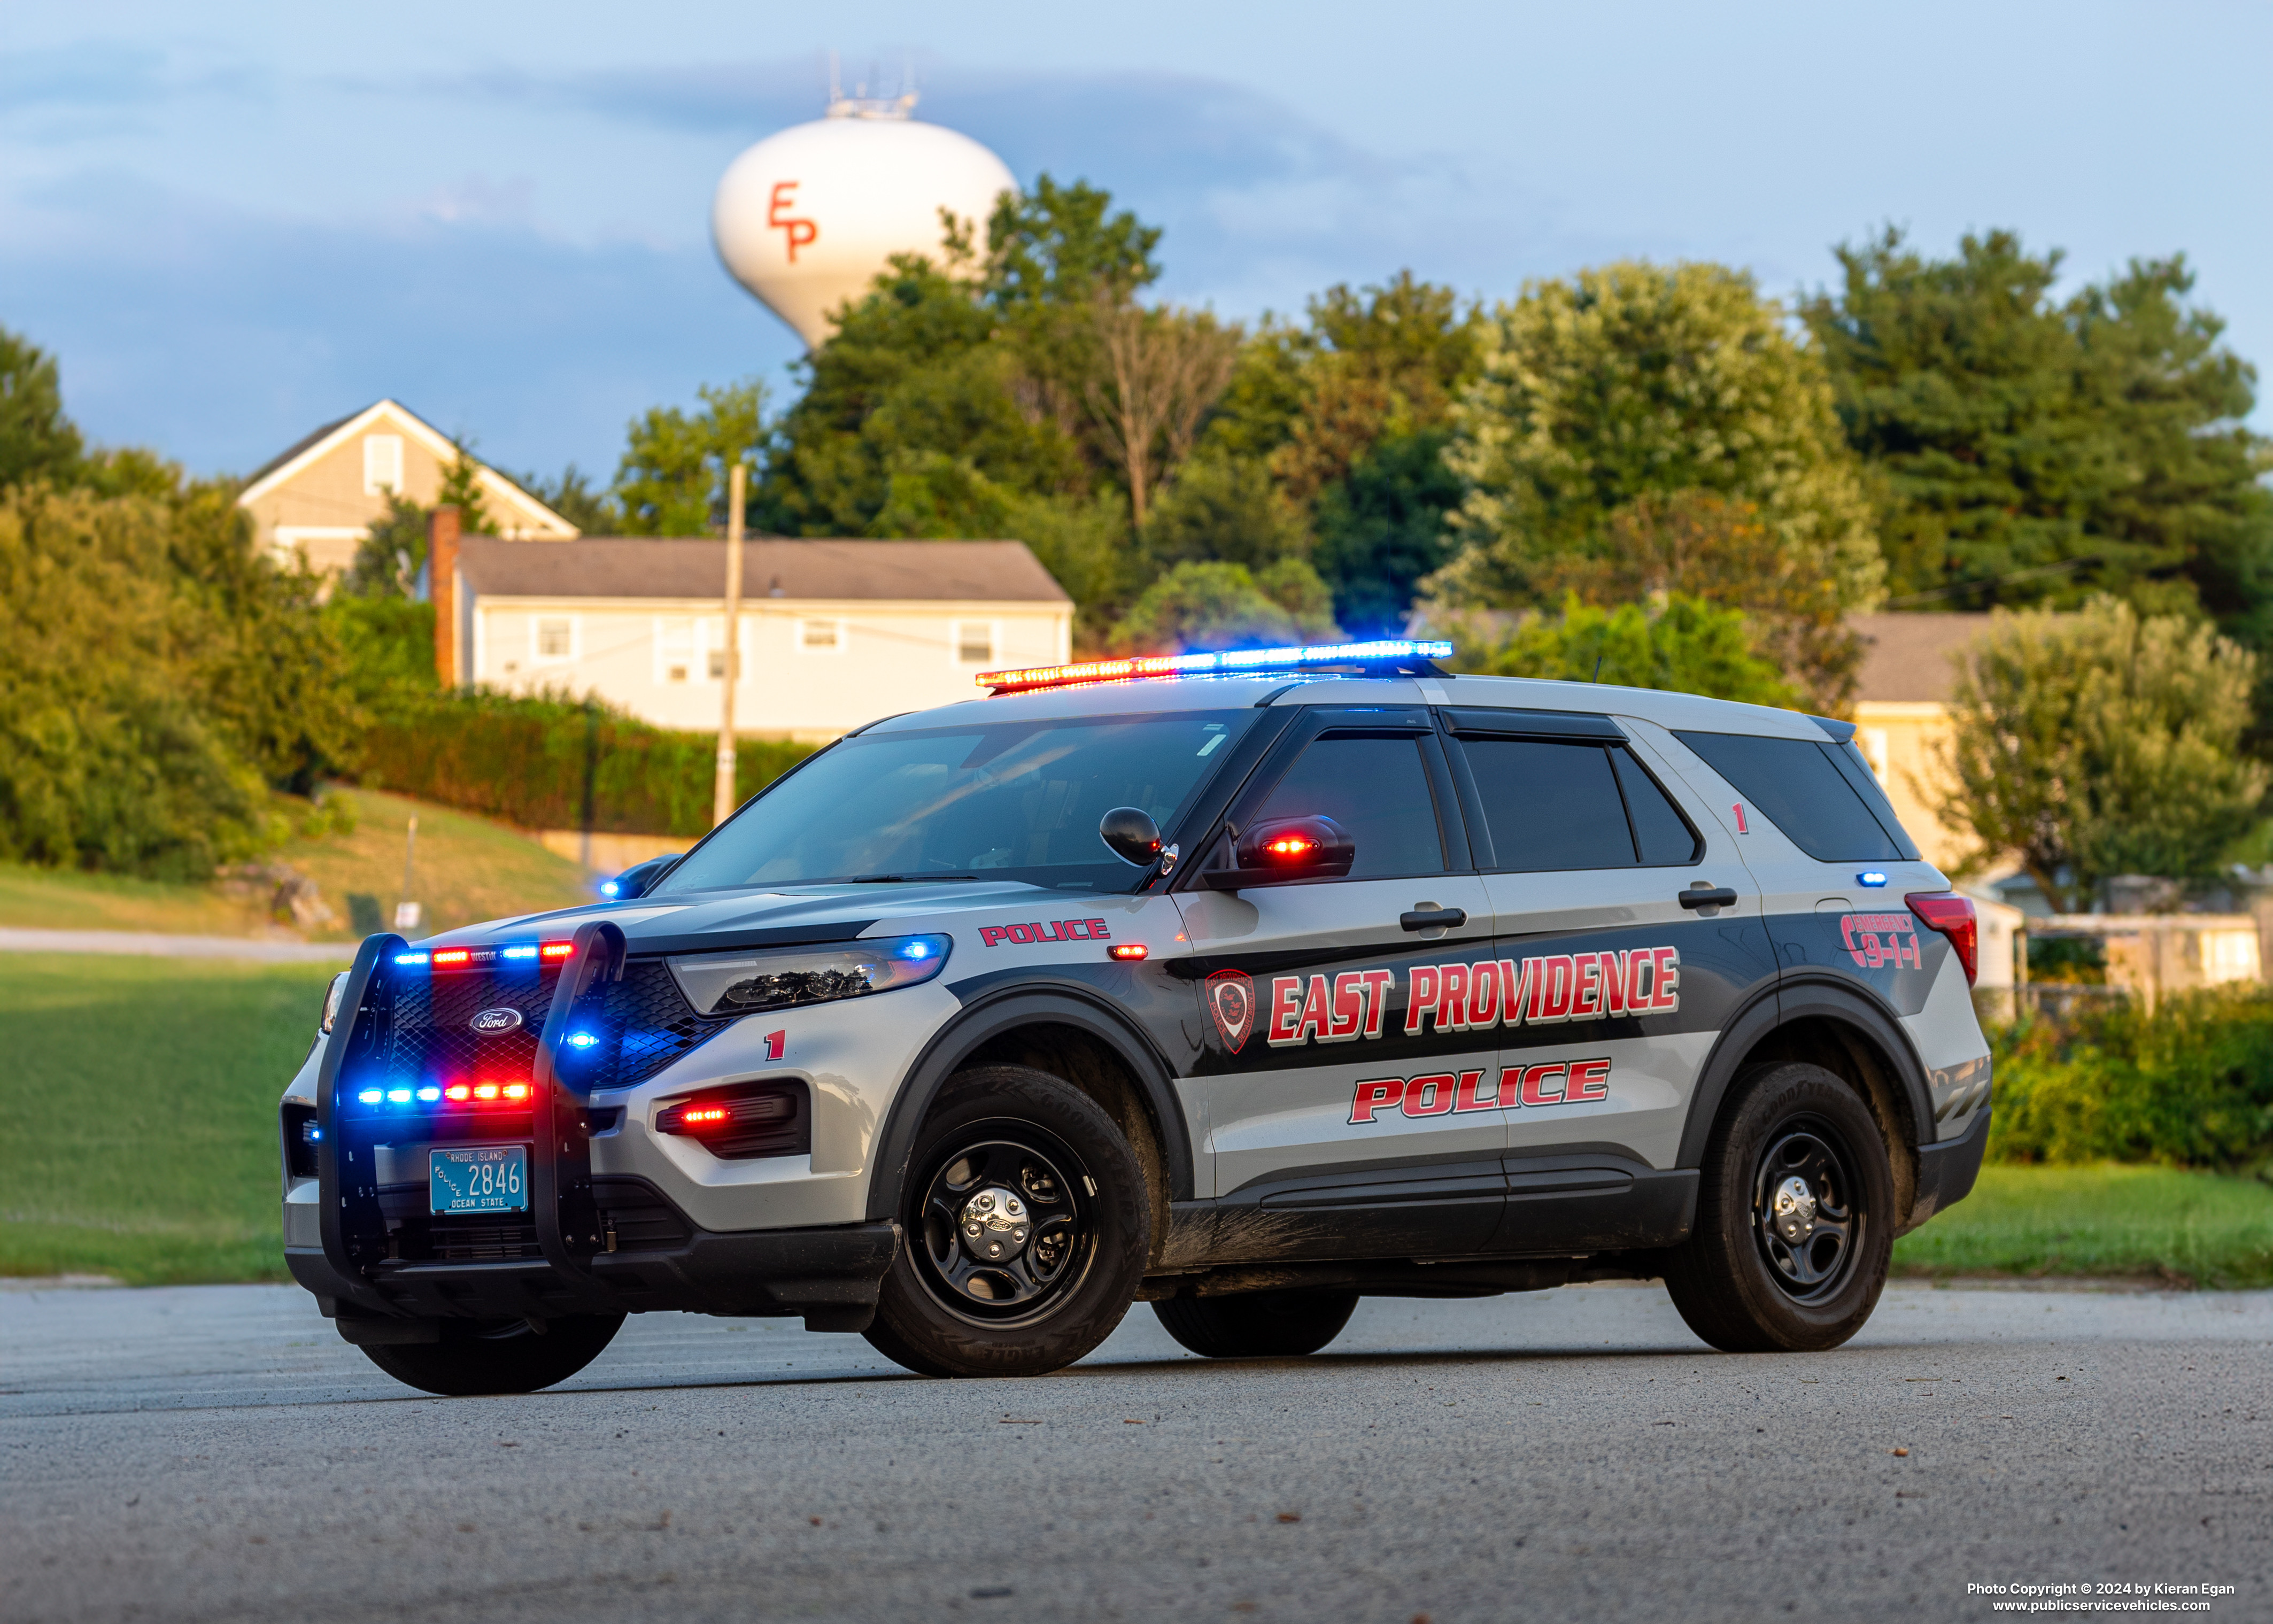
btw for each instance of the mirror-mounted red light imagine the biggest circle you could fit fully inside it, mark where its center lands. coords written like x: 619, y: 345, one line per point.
x: 1279, y: 850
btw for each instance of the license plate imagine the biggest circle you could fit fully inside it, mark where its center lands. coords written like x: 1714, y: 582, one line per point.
x: 479, y: 1179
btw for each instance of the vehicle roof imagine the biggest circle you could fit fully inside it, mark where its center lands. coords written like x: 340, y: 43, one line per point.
x: 1145, y: 696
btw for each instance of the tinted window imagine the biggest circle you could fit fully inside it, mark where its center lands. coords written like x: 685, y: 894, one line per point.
x: 1800, y: 789
x: 1549, y: 805
x: 1377, y: 789
x: 1660, y: 830
x: 1014, y: 801
x: 1850, y: 760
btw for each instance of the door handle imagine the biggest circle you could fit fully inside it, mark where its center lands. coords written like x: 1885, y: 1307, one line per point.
x: 1702, y: 895
x: 1435, y: 919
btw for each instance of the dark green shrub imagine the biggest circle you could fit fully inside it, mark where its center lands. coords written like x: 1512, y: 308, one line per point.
x: 2191, y: 1084
x: 522, y: 761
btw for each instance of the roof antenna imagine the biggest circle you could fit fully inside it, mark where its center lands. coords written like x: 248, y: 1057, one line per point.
x: 1597, y: 676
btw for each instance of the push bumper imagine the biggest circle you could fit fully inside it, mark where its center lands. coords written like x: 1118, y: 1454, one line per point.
x: 1946, y: 1171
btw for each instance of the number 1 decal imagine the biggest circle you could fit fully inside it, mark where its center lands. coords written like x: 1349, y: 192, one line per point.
x: 777, y: 1044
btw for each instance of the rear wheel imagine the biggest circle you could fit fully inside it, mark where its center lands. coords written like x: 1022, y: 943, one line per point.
x: 476, y: 1356
x: 1026, y: 1224
x: 1257, y: 1324
x: 1794, y: 1218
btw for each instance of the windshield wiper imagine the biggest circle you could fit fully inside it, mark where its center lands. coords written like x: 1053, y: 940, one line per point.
x: 903, y: 879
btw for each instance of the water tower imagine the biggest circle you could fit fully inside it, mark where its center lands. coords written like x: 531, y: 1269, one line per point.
x: 806, y: 218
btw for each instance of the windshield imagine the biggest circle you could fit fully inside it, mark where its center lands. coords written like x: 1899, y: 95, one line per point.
x: 1016, y: 801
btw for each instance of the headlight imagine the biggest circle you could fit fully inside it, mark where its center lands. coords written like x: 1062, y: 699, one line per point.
x: 734, y: 983
x: 339, y: 990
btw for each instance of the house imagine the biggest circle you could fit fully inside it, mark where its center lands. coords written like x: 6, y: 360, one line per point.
x: 833, y: 633
x: 1901, y: 713
x: 320, y: 498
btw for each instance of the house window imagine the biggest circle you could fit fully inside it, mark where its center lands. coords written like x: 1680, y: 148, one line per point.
x: 556, y: 639
x: 674, y: 647
x: 382, y: 463
x: 820, y: 637
x: 974, y: 642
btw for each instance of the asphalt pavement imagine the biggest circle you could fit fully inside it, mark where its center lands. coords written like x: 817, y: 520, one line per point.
x: 216, y: 1453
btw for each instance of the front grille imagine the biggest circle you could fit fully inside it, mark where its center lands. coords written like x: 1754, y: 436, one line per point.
x: 639, y: 1025
x: 450, y: 1240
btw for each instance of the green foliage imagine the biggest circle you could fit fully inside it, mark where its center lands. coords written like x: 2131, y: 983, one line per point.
x: 2099, y: 743
x: 386, y: 645
x: 1057, y: 245
x: 391, y: 555
x: 1380, y: 529
x: 522, y: 759
x: 572, y: 496
x: 1215, y: 605
x: 1632, y: 379
x: 462, y: 489
x: 2191, y: 1083
x: 2038, y: 451
x: 37, y: 442
x: 2159, y: 1223
x: 1684, y: 646
x: 106, y: 759
x: 672, y: 478
x: 1222, y: 509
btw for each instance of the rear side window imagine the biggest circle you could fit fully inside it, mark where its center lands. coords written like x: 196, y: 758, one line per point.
x: 1377, y: 789
x: 1800, y: 786
x: 1554, y: 804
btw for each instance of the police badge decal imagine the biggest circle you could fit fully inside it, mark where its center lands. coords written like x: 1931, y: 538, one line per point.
x: 1231, y: 1000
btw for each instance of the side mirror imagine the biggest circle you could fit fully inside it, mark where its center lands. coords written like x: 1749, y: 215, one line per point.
x: 1284, y: 849
x: 1131, y: 833
x: 640, y: 878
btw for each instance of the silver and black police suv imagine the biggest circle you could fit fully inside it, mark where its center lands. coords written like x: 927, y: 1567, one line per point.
x: 1245, y: 985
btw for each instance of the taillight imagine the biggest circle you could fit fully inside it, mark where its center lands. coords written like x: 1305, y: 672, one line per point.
x: 1953, y: 917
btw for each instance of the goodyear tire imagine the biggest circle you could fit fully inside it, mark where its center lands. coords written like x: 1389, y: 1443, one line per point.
x: 1794, y: 1217
x: 1025, y: 1224
x: 478, y: 1357
x: 1284, y: 1325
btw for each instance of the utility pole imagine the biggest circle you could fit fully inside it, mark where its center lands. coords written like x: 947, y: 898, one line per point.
x: 723, y: 801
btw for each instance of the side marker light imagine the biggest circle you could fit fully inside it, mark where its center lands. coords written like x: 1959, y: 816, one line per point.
x: 1871, y: 877
x: 1127, y: 951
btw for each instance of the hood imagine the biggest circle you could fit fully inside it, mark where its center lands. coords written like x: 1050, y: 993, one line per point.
x: 704, y: 921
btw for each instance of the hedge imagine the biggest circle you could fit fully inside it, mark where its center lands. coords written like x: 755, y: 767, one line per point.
x: 2190, y: 1084
x: 523, y: 760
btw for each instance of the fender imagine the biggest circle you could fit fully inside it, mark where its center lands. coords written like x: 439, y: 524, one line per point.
x: 1798, y: 997
x: 989, y: 1016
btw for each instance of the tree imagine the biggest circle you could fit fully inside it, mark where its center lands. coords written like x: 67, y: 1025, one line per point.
x: 1222, y: 509
x: 2099, y: 743
x: 1705, y: 546
x: 672, y: 478
x: 462, y: 489
x: 37, y: 442
x: 2035, y: 451
x: 572, y: 495
x: 1682, y: 644
x: 1633, y: 380
x: 1162, y: 370
x: 1380, y: 529
x: 391, y: 555
x: 1211, y: 605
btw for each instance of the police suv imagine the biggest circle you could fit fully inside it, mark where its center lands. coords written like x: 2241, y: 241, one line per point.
x: 1245, y: 985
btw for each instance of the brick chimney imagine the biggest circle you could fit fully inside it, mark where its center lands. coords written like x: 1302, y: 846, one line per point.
x: 442, y: 591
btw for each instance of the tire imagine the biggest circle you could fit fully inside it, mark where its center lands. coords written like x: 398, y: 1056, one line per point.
x: 1753, y: 1278
x: 1285, y: 1325
x: 477, y: 1355
x: 1065, y: 1225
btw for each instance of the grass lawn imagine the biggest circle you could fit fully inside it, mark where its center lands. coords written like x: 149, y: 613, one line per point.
x: 137, y: 1114
x: 2158, y: 1223
x: 468, y: 869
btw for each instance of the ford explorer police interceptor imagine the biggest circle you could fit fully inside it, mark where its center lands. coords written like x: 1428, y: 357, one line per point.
x: 1244, y: 984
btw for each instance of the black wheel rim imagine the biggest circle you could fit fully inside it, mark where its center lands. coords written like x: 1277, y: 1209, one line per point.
x: 1807, y: 1212
x: 1032, y: 1206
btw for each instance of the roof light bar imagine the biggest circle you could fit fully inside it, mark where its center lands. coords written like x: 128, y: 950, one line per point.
x: 1397, y: 653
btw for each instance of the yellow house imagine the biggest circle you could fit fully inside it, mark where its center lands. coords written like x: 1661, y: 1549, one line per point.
x: 1902, y: 713
x: 320, y: 498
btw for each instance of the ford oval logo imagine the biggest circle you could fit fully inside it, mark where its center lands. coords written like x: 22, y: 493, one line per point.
x: 496, y: 1021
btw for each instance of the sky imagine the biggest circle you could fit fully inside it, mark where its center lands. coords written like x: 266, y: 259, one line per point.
x: 234, y: 221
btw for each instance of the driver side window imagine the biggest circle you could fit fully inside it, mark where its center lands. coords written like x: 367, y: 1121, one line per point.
x: 1377, y: 789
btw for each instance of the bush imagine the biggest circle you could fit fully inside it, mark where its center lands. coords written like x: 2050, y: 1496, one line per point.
x: 1683, y: 645
x: 2191, y: 1084
x: 522, y: 761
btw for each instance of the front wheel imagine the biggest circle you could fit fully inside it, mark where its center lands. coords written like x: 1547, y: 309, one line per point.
x: 477, y: 1355
x: 1026, y: 1222
x: 1794, y: 1218
x: 1284, y: 1325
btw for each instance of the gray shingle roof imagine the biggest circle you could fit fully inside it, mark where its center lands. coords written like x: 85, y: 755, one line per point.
x: 1906, y: 657
x: 610, y: 566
